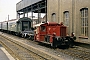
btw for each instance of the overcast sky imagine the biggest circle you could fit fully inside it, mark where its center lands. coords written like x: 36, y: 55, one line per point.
x: 8, y: 7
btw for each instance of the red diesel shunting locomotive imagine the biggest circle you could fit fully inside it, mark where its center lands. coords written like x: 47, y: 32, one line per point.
x: 54, y: 34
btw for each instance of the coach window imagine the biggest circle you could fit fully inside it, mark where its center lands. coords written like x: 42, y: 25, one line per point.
x: 54, y: 17
x: 84, y: 21
x: 66, y: 18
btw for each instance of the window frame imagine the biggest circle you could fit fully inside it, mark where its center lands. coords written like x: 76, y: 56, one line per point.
x: 66, y: 18
x: 84, y: 22
x: 54, y: 17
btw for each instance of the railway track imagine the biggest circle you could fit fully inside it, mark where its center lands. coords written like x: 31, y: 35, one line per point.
x: 23, y: 52
x: 75, y: 53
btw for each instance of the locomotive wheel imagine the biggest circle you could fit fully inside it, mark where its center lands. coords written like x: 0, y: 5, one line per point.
x: 71, y: 43
x: 53, y: 45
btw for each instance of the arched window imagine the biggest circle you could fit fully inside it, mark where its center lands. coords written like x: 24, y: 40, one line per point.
x: 84, y: 21
x: 66, y: 18
x: 53, y: 17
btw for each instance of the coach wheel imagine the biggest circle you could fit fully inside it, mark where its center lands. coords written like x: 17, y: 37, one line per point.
x: 22, y: 36
x: 31, y: 38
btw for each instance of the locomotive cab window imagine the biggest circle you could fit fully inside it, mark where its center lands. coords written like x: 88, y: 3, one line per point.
x: 43, y: 28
